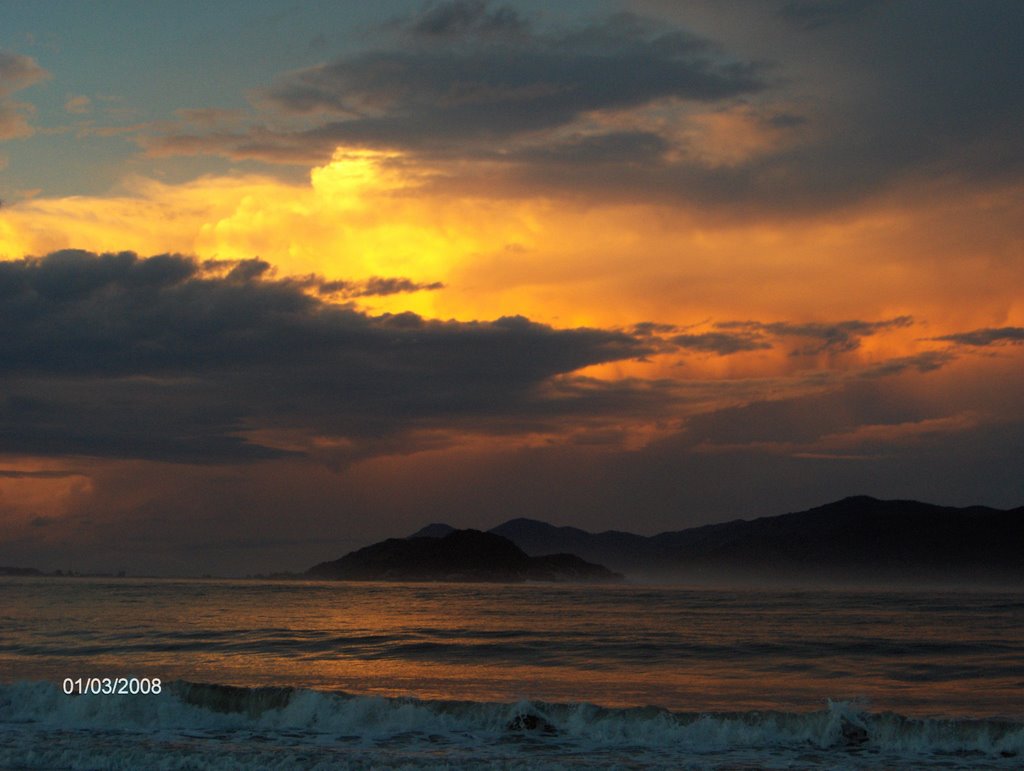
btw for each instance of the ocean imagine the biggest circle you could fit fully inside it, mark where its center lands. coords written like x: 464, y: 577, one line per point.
x: 318, y: 675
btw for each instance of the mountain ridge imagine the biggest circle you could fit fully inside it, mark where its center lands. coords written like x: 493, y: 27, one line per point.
x: 854, y: 536
x: 459, y: 555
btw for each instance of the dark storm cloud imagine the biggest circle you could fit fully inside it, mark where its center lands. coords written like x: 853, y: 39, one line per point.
x: 170, y: 358
x: 924, y: 91
x: 834, y: 337
x: 722, y: 343
x: 17, y: 72
x: 986, y: 337
x: 445, y: 91
x: 858, y: 97
x: 187, y: 421
x: 937, y: 93
x: 467, y: 79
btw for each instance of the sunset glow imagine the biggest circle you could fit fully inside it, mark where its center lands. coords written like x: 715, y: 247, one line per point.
x: 618, y: 264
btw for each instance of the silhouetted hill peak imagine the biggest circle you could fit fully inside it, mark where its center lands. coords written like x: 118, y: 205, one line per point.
x: 461, y: 555
x: 433, y: 530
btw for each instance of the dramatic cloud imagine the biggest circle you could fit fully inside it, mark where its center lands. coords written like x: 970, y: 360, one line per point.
x: 985, y: 337
x: 666, y: 267
x: 159, y: 358
x: 175, y: 359
x: 935, y: 91
x: 836, y: 337
x: 467, y: 80
x: 629, y: 106
x: 499, y: 85
x: 17, y: 72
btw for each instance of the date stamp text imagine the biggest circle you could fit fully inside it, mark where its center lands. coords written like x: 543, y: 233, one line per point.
x: 115, y: 686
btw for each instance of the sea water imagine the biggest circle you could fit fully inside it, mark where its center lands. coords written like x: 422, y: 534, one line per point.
x: 265, y: 674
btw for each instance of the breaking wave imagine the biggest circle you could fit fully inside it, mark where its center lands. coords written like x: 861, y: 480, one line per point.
x: 195, y: 725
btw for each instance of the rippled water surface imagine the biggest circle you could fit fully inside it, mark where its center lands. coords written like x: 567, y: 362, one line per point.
x: 800, y: 664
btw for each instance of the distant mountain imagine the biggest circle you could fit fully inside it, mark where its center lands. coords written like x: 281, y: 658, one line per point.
x: 862, y: 536
x: 859, y: 538
x: 435, y: 530
x: 460, y: 555
x: 627, y: 552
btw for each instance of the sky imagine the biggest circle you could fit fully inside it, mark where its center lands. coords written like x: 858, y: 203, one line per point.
x: 281, y: 279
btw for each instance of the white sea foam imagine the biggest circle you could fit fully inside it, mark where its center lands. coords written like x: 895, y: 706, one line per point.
x: 204, y: 726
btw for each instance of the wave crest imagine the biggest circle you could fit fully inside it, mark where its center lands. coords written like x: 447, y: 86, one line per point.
x: 330, y: 721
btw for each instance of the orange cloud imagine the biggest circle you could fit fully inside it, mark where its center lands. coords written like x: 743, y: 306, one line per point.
x: 948, y: 262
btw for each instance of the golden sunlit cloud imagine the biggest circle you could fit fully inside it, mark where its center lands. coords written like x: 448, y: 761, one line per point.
x: 379, y: 214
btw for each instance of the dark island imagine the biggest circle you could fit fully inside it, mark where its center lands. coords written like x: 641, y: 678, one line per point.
x: 460, y: 555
